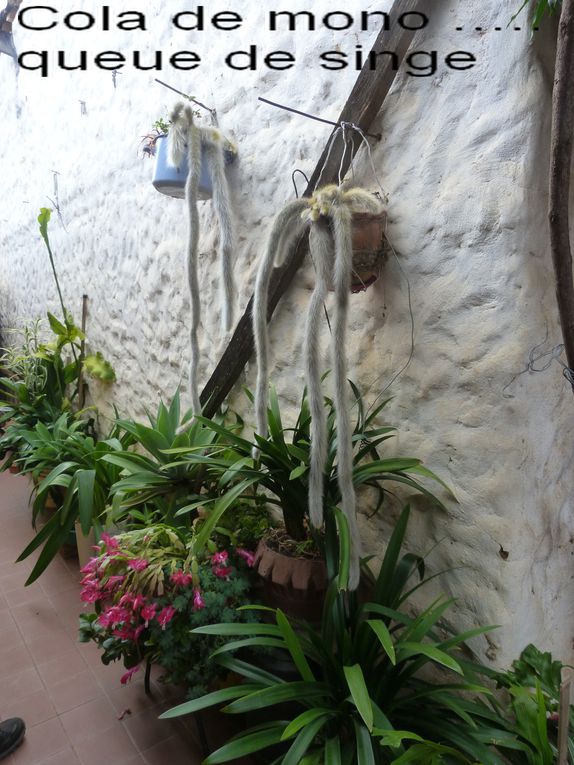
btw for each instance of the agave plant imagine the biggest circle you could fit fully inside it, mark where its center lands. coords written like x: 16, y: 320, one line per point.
x: 152, y: 487
x: 362, y: 695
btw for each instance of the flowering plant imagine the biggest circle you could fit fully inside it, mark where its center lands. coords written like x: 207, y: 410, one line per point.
x: 149, y: 591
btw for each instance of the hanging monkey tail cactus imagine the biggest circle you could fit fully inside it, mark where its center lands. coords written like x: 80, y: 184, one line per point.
x: 329, y: 212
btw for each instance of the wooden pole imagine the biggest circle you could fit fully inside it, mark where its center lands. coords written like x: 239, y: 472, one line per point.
x: 81, y: 390
x: 560, y: 175
x: 363, y: 105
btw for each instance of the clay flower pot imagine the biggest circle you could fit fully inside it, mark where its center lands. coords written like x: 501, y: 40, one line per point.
x: 295, y: 585
x: 369, y: 249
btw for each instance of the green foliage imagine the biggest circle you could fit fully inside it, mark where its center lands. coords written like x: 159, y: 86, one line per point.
x: 153, y: 487
x: 364, y: 690
x: 156, y: 566
x: 42, y: 379
x: 542, y: 9
x: 533, y: 686
x: 75, y: 475
x: 282, y: 469
x: 96, y: 366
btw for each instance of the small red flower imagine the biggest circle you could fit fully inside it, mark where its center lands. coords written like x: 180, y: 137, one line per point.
x: 247, y: 556
x: 166, y: 615
x: 198, y: 601
x: 138, y: 564
x: 124, y: 680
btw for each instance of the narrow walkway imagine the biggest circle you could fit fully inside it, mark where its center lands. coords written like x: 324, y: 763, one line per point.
x: 75, y: 709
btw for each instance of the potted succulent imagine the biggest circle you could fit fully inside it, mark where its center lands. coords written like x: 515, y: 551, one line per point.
x: 170, y: 178
x: 328, y: 215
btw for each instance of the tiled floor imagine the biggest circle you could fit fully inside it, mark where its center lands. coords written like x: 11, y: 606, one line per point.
x: 75, y: 709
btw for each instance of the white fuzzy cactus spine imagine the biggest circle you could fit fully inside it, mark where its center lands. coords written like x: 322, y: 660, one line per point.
x: 329, y: 212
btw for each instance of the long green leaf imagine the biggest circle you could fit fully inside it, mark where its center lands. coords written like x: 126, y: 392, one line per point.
x: 86, y: 480
x: 294, y: 646
x: 304, y: 740
x: 200, y: 539
x: 384, y: 637
x: 247, y: 744
x: 302, y: 720
x: 359, y: 693
x: 209, y: 700
x: 409, y: 650
x: 365, y: 754
x: 296, y: 691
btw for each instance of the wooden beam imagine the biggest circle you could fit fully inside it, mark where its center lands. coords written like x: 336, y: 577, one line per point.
x: 560, y: 164
x: 362, y: 107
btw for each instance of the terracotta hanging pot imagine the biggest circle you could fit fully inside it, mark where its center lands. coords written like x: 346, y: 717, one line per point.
x: 369, y: 249
x: 296, y: 585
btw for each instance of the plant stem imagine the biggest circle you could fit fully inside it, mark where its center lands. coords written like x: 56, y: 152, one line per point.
x: 560, y: 171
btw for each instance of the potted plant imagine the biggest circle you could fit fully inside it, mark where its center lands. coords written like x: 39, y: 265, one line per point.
x: 149, y: 591
x: 291, y: 558
x: 153, y: 484
x: 328, y: 214
x: 362, y: 693
x: 169, y: 178
x: 78, y: 477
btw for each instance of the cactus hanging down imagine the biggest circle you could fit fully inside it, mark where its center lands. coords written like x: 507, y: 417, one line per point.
x: 329, y: 213
x: 186, y: 139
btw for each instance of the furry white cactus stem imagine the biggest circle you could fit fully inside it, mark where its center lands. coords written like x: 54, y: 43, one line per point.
x: 188, y: 139
x: 329, y: 211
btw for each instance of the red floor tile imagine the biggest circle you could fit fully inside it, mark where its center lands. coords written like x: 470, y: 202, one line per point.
x: 70, y: 701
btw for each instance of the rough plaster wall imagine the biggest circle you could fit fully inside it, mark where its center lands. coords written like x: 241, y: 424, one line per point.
x: 463, y: 159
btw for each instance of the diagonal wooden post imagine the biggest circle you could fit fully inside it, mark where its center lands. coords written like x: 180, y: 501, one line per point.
x: 560, y: 177
x: 363, y: 105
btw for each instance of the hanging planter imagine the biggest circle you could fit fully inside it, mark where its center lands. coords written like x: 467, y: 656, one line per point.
x: 343, y: 224
x: 170, y: 179
x: 369, y: 249
x: 199, y: 146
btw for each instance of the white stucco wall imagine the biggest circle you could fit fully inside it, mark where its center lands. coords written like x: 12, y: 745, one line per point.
x: 463, y: 158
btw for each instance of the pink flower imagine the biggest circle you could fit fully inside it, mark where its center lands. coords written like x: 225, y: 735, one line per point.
x: 110, y: 542
x: 91, y: 566
x: 148, y: 612
x: 138, y: 631
x: 127, y: 599
x: 105, y: 619
x: 138, y: 602
x: 113, y: 582
x: 124, y: 680
x: 125, y: 633
x: 179, y: 578
x: 198, y: 601
x: 90, y: 594
x: 219, y: 567
x: 138, y: 564
x: 166, y: 615
x: 247, y: 556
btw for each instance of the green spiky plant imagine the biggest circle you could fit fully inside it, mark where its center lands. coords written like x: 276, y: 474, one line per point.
x: 282, y: 469
x: 362, y: 693
x: 76, y: 475
x: 152, y: 487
